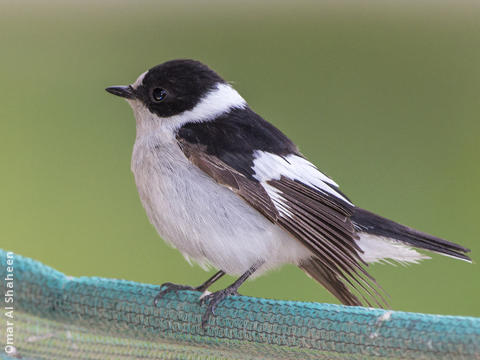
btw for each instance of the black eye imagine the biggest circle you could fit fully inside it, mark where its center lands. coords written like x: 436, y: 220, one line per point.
x: 159, y: 94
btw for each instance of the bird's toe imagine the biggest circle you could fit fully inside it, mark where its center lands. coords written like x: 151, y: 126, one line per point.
x: 169, y: 287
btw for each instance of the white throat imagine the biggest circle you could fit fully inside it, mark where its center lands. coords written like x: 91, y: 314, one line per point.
x: 216, y: 102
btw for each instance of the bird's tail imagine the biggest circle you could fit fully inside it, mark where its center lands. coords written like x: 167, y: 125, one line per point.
x: 376, y: 231
x: 380, y: 239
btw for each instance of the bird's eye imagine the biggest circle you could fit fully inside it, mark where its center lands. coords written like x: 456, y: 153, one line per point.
x: 159, y: 94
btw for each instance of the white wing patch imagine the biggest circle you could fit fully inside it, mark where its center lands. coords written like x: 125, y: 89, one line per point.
x: 268, y: 166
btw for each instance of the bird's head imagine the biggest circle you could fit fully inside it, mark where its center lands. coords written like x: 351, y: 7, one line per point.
x: 178, y: 92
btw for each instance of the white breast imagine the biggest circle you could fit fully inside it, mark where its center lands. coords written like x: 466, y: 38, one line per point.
x: 205, y: 221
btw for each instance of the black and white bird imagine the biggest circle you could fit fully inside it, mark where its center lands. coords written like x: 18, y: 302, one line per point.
x: 229, y: 190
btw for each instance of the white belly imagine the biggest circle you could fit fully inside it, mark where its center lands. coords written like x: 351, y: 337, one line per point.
x: 205, y: 221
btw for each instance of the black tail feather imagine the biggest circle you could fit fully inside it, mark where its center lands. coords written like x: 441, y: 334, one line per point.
x: 368, y: 222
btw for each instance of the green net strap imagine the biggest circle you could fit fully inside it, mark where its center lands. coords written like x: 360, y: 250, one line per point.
x: 57, y: 316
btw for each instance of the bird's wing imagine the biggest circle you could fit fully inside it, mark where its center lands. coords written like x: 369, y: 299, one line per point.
x: 289, y: 191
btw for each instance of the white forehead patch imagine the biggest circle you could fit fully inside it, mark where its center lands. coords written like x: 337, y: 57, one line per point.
x: 139, y: 80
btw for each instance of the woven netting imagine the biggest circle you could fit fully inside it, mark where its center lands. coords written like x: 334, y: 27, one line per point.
x: 60, y: 317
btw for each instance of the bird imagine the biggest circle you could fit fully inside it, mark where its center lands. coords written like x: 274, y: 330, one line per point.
x: 231, y: 191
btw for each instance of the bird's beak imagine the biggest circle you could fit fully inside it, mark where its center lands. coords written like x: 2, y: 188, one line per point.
x: 122, y: 91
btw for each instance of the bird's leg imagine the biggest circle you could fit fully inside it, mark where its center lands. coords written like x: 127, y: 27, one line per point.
x: 168, y: 287
x: 209, y: 282
x: 215, y: 298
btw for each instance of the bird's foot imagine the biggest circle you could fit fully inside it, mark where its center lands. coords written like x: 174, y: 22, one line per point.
x: 169, y: 287
x: 213, y: 300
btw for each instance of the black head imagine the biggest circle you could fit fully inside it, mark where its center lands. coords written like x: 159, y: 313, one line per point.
x: 172, y: 87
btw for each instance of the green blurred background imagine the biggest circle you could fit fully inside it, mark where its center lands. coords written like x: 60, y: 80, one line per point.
x: 383, y: 97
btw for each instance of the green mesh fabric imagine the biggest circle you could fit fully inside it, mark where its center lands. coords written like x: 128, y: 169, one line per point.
x: 60, y: 317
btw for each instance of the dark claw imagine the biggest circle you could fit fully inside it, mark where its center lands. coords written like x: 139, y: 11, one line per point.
x: 213, y: 300
x: 169, y: 287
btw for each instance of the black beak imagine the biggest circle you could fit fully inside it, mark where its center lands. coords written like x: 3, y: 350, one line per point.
x: 122, y: 91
